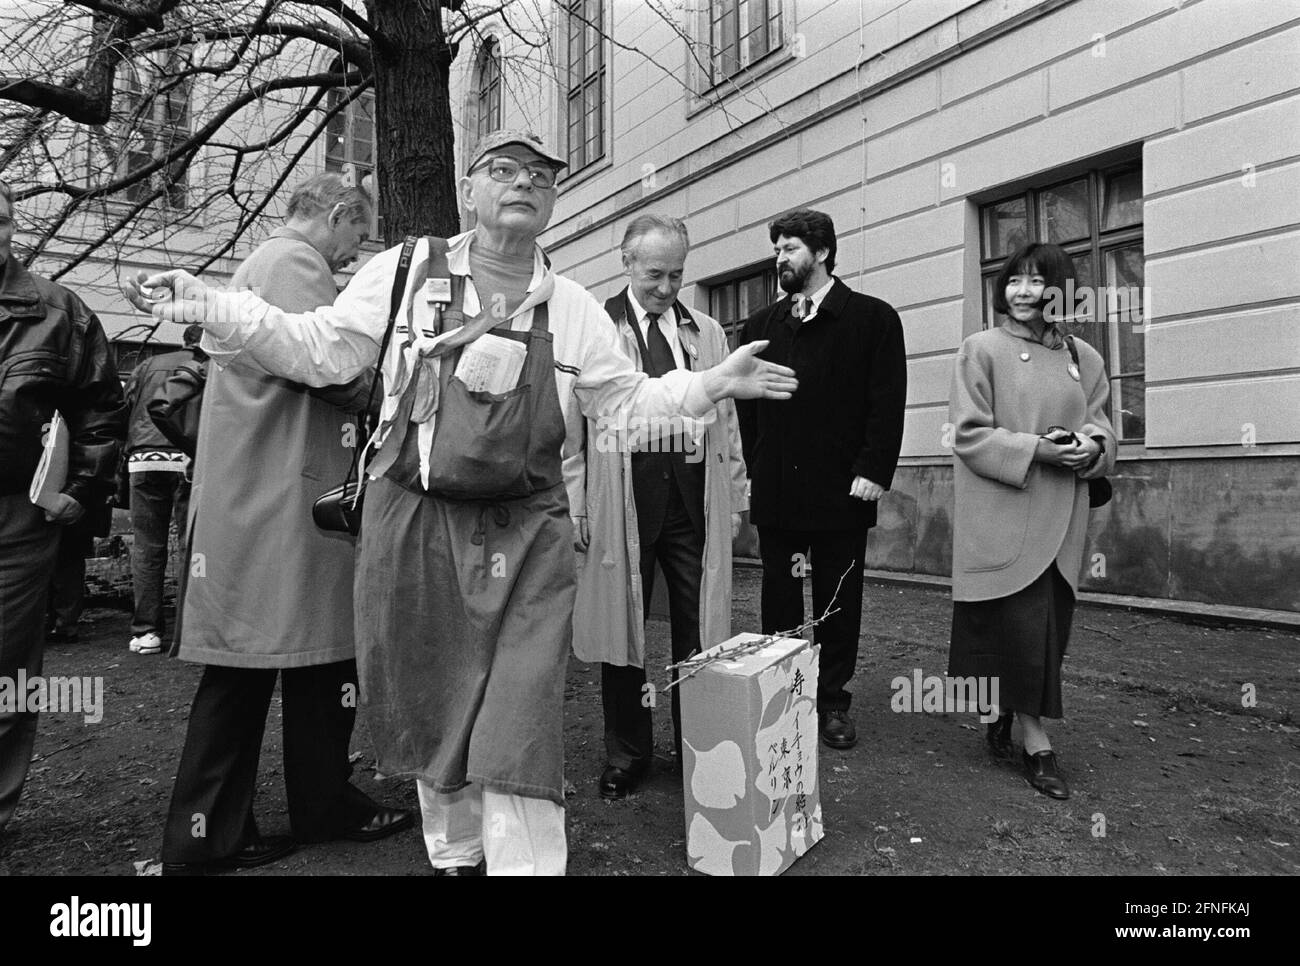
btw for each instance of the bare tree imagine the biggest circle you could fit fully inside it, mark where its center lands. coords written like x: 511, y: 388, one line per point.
x: 161, y: 129
x: 125, y: 124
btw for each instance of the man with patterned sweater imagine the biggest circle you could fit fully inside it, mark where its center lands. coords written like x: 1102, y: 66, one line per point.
x: 160, y: 491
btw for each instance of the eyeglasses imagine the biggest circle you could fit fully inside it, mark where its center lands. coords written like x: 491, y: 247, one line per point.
x: 506, y: 170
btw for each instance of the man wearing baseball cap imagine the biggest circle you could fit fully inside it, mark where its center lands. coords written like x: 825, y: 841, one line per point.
x: 466, y: 573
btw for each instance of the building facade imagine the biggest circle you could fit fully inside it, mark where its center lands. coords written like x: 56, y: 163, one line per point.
x: 1157, y: 141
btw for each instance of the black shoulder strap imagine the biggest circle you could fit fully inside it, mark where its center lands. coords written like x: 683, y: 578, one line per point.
x: 394, y: 304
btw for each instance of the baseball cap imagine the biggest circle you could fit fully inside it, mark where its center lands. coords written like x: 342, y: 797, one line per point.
x: 496, y: 140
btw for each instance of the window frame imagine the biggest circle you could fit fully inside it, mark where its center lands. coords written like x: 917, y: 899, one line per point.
x: 345, y: 162
x: 587, y: 88
x: 732, y: 282
x: 144, y: 128
x: 707, y: 91
x: 1098, y: 243
x: 489, y: 88
x: 717, y: 71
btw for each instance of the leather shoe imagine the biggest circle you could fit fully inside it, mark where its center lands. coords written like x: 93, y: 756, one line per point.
x: 1043, y: 775
x: 386, y: 822
x: 461, y: 870
x: 615, y: 782
x: 263, y: 851
x: 998, y: 737
x: 837, y: 730
x: 184, y: 868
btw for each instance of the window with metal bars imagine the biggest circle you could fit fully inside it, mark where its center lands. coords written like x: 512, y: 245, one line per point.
x: 1097, y: 218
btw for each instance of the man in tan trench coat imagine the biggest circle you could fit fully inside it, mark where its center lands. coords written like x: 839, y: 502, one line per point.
x: 666, y: 495
x: 267, y: 592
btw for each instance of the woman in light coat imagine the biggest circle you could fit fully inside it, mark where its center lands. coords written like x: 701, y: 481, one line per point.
x: 1030, y: 430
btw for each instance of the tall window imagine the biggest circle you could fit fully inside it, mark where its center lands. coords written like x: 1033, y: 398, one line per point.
x: 741, y: 32
x: 350, y: 146
x: 585, y: 84
x: 489, y: 87
x: 154, y: 120
x: 1097, y: 218
x: 734, y: 300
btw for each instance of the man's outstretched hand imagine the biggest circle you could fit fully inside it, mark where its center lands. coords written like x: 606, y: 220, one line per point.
x: 742, y: 375
x: 172, y: 296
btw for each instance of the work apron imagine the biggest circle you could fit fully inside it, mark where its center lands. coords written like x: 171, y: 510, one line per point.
x: 464, y: 612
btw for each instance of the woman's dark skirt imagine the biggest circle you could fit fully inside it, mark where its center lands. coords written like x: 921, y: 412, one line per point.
x: 1020, y: 640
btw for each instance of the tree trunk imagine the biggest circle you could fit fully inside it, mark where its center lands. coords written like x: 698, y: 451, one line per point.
x: 415, y: 142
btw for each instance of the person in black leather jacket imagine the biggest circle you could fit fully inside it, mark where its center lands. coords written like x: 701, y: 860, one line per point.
x: 175, y: 407
x: 53, y: 355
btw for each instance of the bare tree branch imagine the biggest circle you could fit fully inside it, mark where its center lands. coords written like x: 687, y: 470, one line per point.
x: 246, y: 222
x: 166, y: 129
x: 346, y: 14
x: 138, y: 16
x: 87, y: 97
x: 191, y: 144
x: 353, y: 51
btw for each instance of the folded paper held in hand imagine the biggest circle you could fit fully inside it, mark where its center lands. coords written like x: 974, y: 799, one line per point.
x: 749, y: 742
x: 52, y: 470
x: 491, y: 364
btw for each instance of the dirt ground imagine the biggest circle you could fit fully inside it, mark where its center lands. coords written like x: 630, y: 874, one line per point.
x: 1171, y: 774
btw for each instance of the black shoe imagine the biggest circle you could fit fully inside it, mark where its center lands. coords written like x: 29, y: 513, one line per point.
x: 272, y: 848
x: 184, y: 868
x: 837, y: 730
x: 998, y: 737
x: 616, y: 783
x: 62, y: 637
x: 386, y: 822
x: 1043, y: 775
x: 265, y: 850
x: 462, y: 870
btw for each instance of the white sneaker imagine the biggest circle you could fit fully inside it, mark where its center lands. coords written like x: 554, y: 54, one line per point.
x: 149, y: 643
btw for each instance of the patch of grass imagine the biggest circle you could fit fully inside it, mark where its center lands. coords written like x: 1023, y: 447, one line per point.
x: 1278, y: 813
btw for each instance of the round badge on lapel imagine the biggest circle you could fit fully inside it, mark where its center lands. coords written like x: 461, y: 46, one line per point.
x: 1024, y: 357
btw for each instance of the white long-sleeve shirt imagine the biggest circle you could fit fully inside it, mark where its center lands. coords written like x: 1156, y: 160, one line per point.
x: 334, y: 343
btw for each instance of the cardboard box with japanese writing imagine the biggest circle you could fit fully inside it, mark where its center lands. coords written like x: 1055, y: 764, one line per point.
x: 749, y: 737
